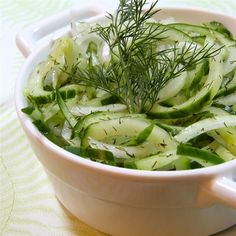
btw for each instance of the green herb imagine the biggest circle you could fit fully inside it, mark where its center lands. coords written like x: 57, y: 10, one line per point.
x: 137, y: 71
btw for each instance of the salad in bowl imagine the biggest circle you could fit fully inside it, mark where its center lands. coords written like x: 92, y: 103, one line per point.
x: 139, y: 93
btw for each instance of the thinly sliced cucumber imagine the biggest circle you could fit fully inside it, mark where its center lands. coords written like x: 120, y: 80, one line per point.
x: 95, y: 117
x: 121, y: 151
x: 65, y: 111
x: 182, y: 163
x: 63, y: 55
x: 128, y: 126
x: 204, y: 157
x: 219, y: 27
x: 66, y: 131
x: 86, y: 110
x: 172, y: 129
x: 212, y: 146
x: 225, y: 136
x: 49, y: 133
x: 170, y: 34
x: 228, y: 85
x: 205, y: 125
x: 228, y: 43
x: 156, y: 162
x: 224, y: 153
x: 197, y: 78
x: 231, y: 88
x: 196, y: 30
x: 172, y: 88
x: 94, y: 154
x: 219, y: 109
x: 141, y: 137
x: 46, y: 97
x: 228, y: 100
x: 197, y: 102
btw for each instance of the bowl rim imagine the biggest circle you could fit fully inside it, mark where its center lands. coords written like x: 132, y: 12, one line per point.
x: 144, y: 175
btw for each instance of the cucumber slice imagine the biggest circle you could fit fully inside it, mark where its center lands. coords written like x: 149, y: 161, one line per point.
x: 96, y: 117
x: 197, y: 102
x: 203, y: 157
x: 219, y: 27
x: 62, y: 56
x: 226, y: 137
x: 65, y: 111
x: 224, y: 153
x: 86, y: 110
x: 228, y: 88
x: 160, y: 161
x: 172, y: 129
x: 200, y: 30
x: 172, y: 87
x: 228, y: 43
x: 94, y: 154
x: 131, y: 126
x: 170, y: 34
x: 228, y: 100
x: 121, y: 151
x: 197, y: 78
x: 205, y: 125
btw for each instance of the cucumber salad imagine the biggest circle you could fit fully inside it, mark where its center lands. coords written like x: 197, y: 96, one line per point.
x: 136, y: 92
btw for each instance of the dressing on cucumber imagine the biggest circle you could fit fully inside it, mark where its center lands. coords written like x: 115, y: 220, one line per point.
x: 139, y: 93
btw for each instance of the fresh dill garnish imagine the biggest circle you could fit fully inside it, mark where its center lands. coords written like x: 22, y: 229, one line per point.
x: 138, y: 67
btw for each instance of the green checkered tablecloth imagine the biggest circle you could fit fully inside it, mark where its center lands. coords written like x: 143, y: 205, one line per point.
x: 27, y: 203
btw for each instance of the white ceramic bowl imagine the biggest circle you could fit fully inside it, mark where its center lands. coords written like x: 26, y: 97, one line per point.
x: 122, y: 201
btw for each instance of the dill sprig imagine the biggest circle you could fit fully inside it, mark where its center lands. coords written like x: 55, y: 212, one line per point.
x: 137, y: 71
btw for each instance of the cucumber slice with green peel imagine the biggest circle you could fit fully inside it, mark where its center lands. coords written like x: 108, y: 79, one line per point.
x: 131, y: 126
x: 156, y: 162
x: 228, y: 100
x: 197, y: 78
x: 63, y: 55
x: 172, y: 129
x: 170, y: 34
x: 202, y: 30
x: 173, y: 87
x: 182, y: 163
x: 225, y: 153
x: 65, y: 111
x: 226, y: 137
x: 211, y: 147
x: 121, y: 151
x: 96, y: 154
x: 86, y: 110
x: 204, y: 126
x: 197, y: 102
x: 228, y: 43
x: 142, y: 136
x: 228, y: 87
x: 226, y: 90
x: 219, y: 27
x: 204, y: 157
x: 96, y: 117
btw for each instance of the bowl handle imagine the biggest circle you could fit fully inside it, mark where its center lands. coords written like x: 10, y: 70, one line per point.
x: 27, y: 39
x: 219, y: 190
